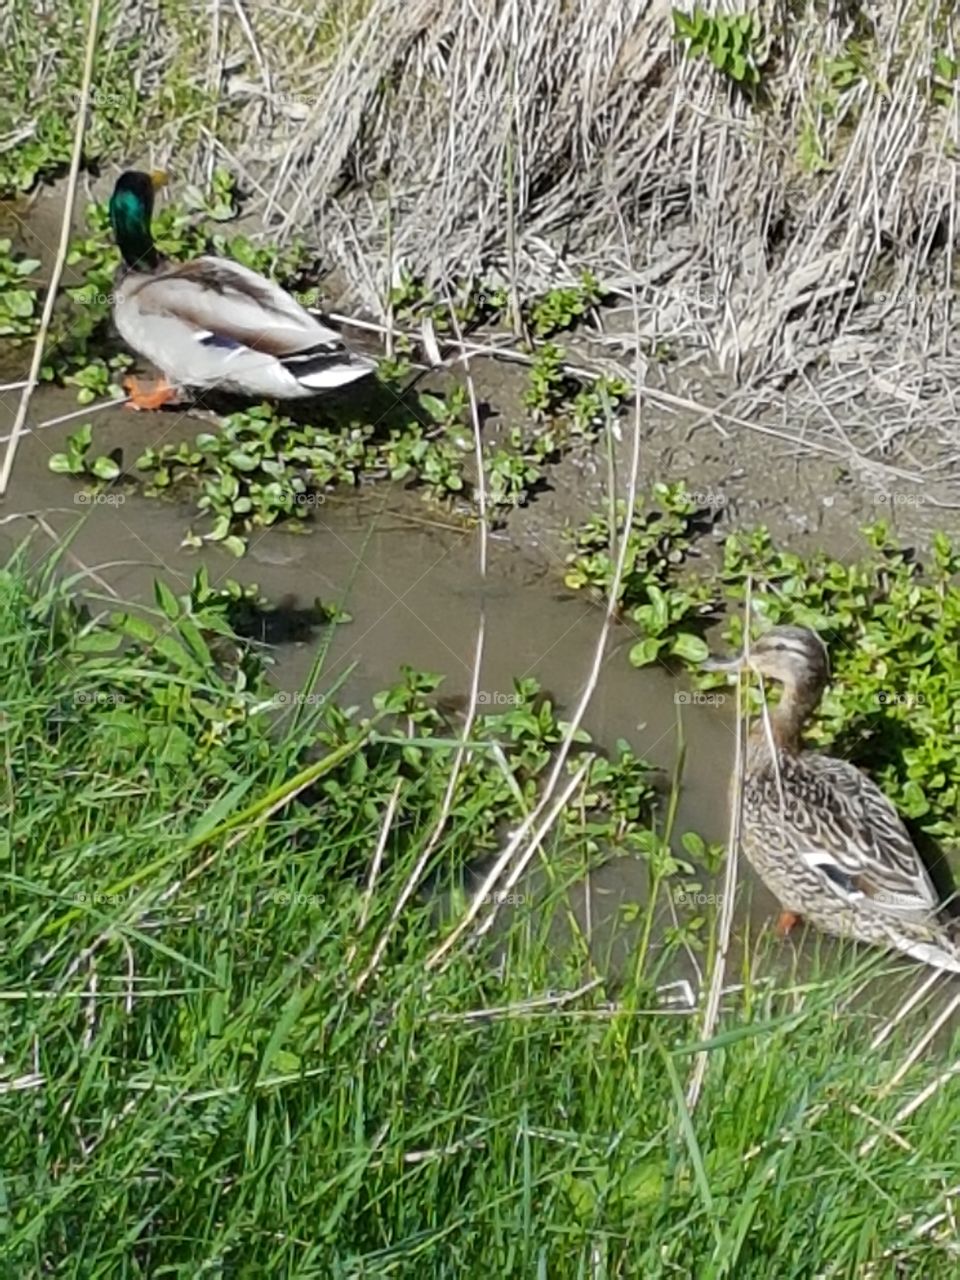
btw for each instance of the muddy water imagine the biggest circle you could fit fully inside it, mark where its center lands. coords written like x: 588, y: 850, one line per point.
x: 414, y: 591
x: 412, y: 585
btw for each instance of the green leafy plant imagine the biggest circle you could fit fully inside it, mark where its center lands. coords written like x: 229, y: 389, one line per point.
x: 595, y: 404
x: 811, y: 151
x: 76, y: 462
x: 220, y: 203
x: 395, y: 368
x: 252, y: 615
x: 98, y: 378
x: 227, y: 594
x: 943, y: 79
x: 512, y: 474
x: 411, y: 301
x: 550, y: 385
x: 670, y: 612
x: 619, y: 796
x: 732, y: 42
x: 561, y: 308
x: 256, y: 469
x: 574, y: 409
x: 444, y: 411
x: 260, y: 468
x: 18, y: 300
x: 853, y: 67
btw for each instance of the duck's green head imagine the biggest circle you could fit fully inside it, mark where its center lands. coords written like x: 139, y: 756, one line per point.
x: 131, y: 208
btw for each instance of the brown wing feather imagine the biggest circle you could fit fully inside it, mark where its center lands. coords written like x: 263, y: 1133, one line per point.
x: 838, y: 812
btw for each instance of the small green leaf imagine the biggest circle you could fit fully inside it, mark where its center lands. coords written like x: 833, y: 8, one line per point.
x: 190, y: 634
x: 689, y: 647
x: 96, y: 642
x: 644, y: 1184
x: 18, y: 302
x: 582, y: 1195
x: 135, y: 627
x: 62, y: 464
x: 434, y: 406
x: 167, y: 601
x: 693, y: 844
x: 283, y: 1062
x: 642, y: 654
x: 80, y: 440
x: 105, y: 468
x: 241, y: 460
x: 659, y: 609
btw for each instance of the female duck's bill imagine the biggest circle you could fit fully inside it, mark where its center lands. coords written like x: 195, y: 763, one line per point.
x: 715, y: 663
x: 785, y: 653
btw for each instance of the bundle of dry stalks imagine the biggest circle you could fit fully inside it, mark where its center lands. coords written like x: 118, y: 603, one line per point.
x: 812, y: 220
x: 457, y: 138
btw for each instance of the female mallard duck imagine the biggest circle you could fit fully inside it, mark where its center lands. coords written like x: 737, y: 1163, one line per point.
x: 823, y: 837
x: 211, y: 323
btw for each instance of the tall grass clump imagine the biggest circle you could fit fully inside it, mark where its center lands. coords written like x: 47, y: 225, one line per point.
x: 223, y: 1051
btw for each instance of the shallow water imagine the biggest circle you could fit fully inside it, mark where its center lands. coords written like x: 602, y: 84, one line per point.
x: 408, y: 576
x: 410, y: 580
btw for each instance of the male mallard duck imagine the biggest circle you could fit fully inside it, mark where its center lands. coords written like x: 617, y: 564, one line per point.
x: 211, y: 323
x: 823, y: 837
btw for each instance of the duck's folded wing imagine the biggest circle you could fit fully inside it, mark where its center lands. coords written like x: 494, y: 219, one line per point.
x: 871, y: 857
x: 229, y: 304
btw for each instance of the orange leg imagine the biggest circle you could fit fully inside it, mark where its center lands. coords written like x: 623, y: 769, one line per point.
x: 148, y: 396
x: 788, y: 920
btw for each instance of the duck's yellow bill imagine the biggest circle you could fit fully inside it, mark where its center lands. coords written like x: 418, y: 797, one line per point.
x: 159, y: 179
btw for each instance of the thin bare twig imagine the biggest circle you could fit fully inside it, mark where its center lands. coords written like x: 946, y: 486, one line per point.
x: 462, y: 750
x: 712, y: 1009
x: 93, y: 18
x: 509, y: 853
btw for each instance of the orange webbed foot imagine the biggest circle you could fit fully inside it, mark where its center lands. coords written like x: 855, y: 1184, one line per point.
x: 148, y: 395
x: 788, y: 920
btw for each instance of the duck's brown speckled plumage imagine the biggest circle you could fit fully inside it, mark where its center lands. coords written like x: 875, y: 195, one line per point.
x: 820, y: 834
